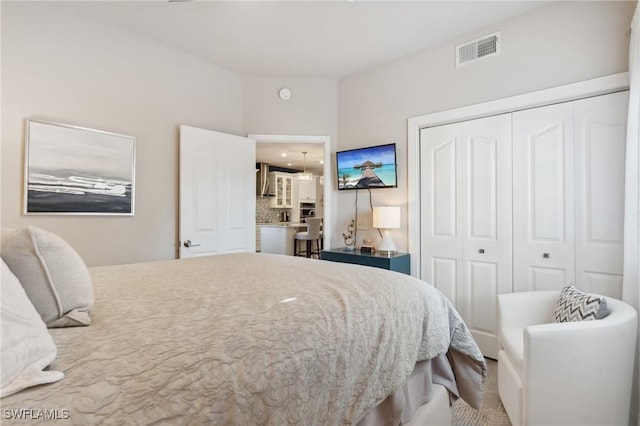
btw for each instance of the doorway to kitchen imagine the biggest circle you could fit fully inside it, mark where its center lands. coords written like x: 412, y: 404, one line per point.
x: 291, y: 144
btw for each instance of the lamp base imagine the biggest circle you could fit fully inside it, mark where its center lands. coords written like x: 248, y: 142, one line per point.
x: 387, y: 247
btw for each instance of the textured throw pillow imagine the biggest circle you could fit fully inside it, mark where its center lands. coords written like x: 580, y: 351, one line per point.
x: 576, y: 305
x: 52, y: 274
x: 27, y: 347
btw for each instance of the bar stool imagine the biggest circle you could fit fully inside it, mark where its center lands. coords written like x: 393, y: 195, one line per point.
x: 310, y: 235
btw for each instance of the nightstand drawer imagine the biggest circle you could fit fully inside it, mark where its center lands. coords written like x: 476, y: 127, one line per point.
x: 399, y: 262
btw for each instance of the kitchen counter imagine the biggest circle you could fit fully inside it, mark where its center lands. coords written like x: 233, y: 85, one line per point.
x: 277, y: 238
x: 284, y: 224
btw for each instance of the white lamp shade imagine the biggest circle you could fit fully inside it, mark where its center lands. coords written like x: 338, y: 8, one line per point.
x: 387, y: 217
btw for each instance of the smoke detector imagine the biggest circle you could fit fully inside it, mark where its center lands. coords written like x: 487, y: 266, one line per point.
x: 284, y: 93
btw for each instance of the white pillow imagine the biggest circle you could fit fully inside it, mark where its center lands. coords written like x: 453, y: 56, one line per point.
x: 27, y: 347
x: 52, y: 274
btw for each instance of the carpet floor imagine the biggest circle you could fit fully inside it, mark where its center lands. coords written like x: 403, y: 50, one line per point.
x: 491, y: 412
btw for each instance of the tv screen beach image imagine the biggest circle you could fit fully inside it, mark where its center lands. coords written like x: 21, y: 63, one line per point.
x: 372, y: 167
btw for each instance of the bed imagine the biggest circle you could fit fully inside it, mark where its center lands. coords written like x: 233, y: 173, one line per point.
x: 252, y: 338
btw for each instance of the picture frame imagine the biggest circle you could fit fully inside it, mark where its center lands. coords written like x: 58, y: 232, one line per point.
x: 71, y: 170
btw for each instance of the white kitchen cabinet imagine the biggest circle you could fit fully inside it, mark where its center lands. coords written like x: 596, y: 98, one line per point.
x: 307, y: 190
x: 277, y: 239
x: 281, y: 185
x: 307, y: 195
x: 466, y: 219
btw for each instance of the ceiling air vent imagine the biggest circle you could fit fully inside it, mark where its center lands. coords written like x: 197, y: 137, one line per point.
x: 478, y: 48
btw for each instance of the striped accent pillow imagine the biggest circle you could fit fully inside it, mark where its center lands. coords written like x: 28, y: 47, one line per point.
x: 576, y: 305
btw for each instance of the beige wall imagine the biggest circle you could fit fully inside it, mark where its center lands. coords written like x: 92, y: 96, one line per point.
x: 68, y: 69
x: 549, y: 46
x: 311, y: 111
x: 102, y: 77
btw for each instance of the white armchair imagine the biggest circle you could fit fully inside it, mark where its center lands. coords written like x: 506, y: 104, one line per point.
x: 573, y: 373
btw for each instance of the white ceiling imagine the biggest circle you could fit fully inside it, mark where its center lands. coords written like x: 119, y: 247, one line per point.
x: 271, y: 153
x: 323, y: 39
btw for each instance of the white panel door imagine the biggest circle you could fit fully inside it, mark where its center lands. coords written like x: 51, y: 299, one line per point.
x: 543, y: 205
x: 485, y: 225
x: 440, y: 191
x: 600, y: 133
x: 217, y: 193
x: 466, y: 218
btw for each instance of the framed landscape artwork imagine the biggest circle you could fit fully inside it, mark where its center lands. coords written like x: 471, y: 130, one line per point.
x: 74, y: 170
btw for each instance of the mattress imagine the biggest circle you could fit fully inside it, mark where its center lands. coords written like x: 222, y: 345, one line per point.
x: 253, y: 339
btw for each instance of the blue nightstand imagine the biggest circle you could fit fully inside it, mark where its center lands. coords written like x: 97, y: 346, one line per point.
x: 399, y: 262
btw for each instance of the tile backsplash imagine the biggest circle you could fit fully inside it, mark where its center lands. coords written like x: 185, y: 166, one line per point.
x: 266, y: 214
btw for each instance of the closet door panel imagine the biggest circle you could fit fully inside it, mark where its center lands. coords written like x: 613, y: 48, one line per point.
x: 483, y: 288
x: 543, y: 206
x: 439, y: 207
x: 443, y: 164
x: 486, y: 225
x: 546, y: 164
x: 445, y: 274
x: 547, y: 278
x: 486, y: 188
x: 481, y: 187
x: 605, y: 284
x: 600, y: 132
x: 478, y: 301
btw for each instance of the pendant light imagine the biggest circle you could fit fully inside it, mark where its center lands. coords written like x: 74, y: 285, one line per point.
x: 304, y: 176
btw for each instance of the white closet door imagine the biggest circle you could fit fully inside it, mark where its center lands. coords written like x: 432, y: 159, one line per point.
x: 485, y: 226
x: 466, y: 218
x: 600, y: 130
x: 439, y: 201
x: 543, y: 204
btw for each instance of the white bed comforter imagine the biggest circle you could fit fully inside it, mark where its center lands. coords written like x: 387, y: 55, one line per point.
x: 249, y: 339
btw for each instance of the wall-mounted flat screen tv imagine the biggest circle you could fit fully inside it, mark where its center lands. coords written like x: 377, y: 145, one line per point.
x: 370, y: 167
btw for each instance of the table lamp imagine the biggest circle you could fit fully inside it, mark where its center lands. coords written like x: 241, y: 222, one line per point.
x: 387, y: 217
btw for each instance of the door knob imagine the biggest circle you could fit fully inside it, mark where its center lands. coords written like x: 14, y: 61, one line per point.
x: 188, y: 244
x: 545, y: 255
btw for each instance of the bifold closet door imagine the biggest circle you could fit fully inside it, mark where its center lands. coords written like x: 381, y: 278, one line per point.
x: 466, y: 218
x: 440, y: 186
x: 600, y: 135
x: 568, y: 177
x: 543, y: 205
